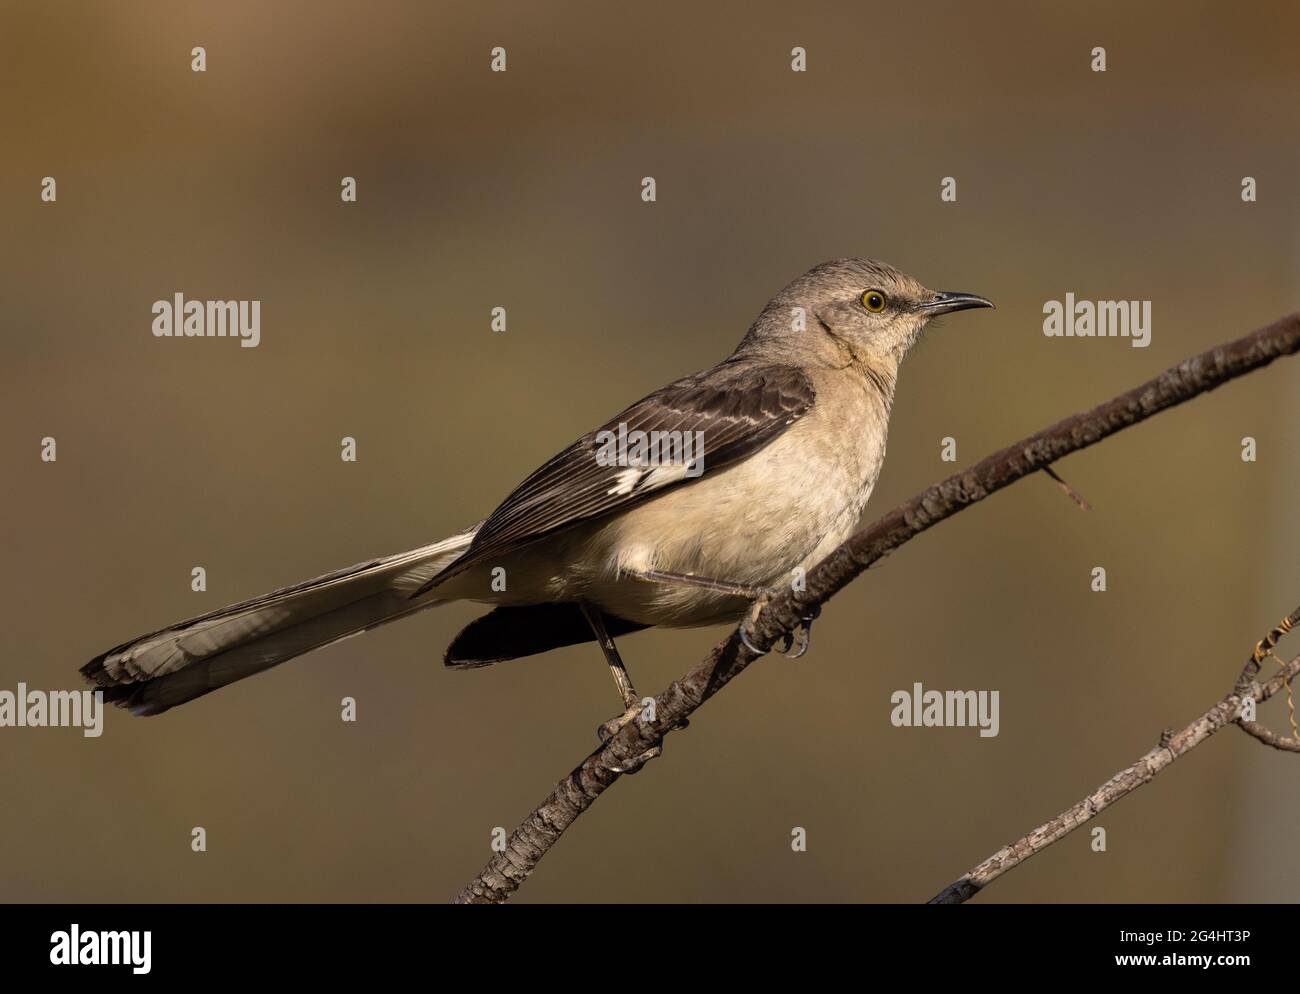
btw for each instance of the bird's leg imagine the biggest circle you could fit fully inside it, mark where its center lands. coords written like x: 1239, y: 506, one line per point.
x: 631, y: 703
x: 607, y: 646
x: 691, y: 580
x: 759, y: 596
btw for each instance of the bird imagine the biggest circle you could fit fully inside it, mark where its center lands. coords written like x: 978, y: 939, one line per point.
x: 682, y: 510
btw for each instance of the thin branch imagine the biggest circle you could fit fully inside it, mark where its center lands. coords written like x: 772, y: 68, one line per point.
x: 1069, y: 490
x: 1269, y: 737
x: 1172, y: 745
x: 782, y: 614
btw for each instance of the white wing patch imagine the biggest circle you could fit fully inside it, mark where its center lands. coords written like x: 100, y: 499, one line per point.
x: 625, y: 482
x: 661, y: 476
x: 649, y: 477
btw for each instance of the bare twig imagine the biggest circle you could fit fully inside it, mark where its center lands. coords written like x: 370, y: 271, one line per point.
x: 1172, y: 745
x: 1269, y: 737
x: 578, y: 791
x: 1069, y: 490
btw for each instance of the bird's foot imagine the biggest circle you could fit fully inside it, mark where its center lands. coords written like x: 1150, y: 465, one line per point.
x: 635, y: 765
x: 801, y: 636
x: 607, y: 730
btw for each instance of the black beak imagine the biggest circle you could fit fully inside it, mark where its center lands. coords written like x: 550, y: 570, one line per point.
x: 949, y: 301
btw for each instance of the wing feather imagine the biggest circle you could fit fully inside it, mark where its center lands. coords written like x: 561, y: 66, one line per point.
x: 740, y: 406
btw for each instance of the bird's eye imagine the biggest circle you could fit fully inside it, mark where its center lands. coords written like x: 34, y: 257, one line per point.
x: 874, y: 301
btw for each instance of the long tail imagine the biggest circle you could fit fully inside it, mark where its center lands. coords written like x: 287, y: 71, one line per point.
x: 158, y: 671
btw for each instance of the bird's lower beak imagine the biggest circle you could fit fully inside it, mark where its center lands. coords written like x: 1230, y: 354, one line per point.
x: 948, y: 301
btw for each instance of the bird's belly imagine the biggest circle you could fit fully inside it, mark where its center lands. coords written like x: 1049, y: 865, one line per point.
x: 758, y: 524
x: 755, y: 524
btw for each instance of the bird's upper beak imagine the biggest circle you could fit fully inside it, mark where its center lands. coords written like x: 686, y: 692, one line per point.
x: 947, y: 301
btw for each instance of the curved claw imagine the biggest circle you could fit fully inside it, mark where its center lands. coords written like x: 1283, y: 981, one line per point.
x: 805, y: 634
x: 802, y: 637
x: 805, y: 640
x: 750, y: 645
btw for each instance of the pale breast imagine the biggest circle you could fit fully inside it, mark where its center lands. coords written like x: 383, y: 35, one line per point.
x: 753, y: 524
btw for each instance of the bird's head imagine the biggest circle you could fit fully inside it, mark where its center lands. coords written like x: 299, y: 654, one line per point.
x: 858, y: 308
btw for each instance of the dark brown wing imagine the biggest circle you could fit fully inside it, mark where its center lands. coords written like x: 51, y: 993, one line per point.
x: 738, y: 406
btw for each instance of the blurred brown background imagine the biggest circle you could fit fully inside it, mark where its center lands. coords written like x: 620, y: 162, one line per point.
x: 479, y: 189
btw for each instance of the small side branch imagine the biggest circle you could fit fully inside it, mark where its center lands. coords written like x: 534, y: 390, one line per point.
x: 1069, y: 490
x: 1269, y: 737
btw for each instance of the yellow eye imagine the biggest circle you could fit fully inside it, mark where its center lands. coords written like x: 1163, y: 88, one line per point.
x: 874, y: 301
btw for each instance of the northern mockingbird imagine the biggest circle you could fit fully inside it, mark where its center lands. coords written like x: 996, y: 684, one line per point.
x: 777, y: 449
